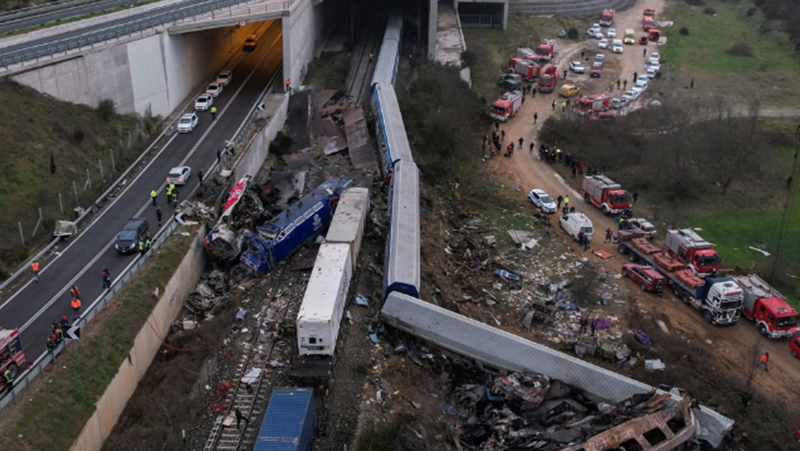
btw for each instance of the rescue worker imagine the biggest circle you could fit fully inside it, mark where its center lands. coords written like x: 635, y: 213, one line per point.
x: 51, y: 343
x: 764, y: 361
x: 213, y: 113
x: 35, y: 270
x: 564, y: 106
x: 158, y: 215
x: 75, y: 292
x: 60, y: 333
x: 172, y: 187
x: 535, y: 117
x: 593, y: 325
x: 566, y: 200
x: 520, y: 142
x: 8, y: 378
x: 609, y: 234
x: 106, y: 281
x: 76, y: 307
x: 141, y: 247
x: 168, y: 192
x: 64, y: 323
x: 370, y: 58
x: 559, y: 199
x: 200, y: 175
x: 554, y: 104
x: 175, y: 197
x: 148, y: 244
x: 611, y: 88
x: 105, y: 271
x: 584, y: 324
x: 154, y: 195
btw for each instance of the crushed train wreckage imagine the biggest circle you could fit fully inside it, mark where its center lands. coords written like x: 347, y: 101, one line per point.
x: 531, y: 411
x: 236, y: 235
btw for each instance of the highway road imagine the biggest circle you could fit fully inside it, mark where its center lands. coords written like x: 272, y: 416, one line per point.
x: 63, y: 14
x: 34, y: 305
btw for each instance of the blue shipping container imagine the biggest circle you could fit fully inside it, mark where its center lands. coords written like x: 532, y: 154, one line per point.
x: 289, y: 422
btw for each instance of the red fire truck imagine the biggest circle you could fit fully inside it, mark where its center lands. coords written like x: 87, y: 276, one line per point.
x: 693, y: 251
x: 766, y: 307
x: 11, y: 355
x: 547, y: 50
x: 604, y: 193
x: 607, y: 18
x: 528, y: 70
x: 591, y: 104
x: 506, y: 106
x: 548, y: 77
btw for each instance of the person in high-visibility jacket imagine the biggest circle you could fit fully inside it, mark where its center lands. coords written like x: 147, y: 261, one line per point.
x: 148, y: 244
x: 35, y: 270
x: 76, y: 307
x: 141, y: 247
x: 8, y: 378
x: 154, y: 196
x: 168, y: 193
x: 764, y: 361
x: 75, y: 292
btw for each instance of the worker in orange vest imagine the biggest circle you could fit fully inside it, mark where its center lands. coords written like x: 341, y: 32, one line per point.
x: 35, y: 269
x: 76, y: 306
x: 75, y: 292
x: 764, y: 360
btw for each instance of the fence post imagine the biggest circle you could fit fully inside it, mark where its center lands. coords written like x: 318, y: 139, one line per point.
x: 61, y: 203
x: 38, y: 223
x: 100, y: 164
x: 75, y: 190
x: 21, y: 235
x: 113, y: 166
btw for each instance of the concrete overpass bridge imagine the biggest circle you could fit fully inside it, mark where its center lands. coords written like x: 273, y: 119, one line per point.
x: 157, y: 56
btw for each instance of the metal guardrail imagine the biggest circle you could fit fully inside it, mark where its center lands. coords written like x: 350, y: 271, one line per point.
x: 147, y: 21
x: 38, y: 367
x: 41, y: 9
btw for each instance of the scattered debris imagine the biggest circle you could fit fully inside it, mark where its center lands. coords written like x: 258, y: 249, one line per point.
x: 654, y: 365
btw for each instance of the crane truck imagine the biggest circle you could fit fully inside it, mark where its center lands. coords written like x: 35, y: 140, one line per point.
x: 766, y: 307
x: 718, y: 299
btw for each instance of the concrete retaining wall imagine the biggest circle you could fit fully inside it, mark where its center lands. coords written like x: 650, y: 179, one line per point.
x: 564, y: 7
x: 145, y: 347
x: 277, y: 105
x: 304, y: 26
x: 160, y: 71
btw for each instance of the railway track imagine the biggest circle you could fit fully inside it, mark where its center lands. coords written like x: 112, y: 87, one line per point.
x: 361, y: 71
x: 251, y: 401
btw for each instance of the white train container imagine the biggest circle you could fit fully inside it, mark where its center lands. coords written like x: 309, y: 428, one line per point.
x: 320, y: 314
x: 349, y: 219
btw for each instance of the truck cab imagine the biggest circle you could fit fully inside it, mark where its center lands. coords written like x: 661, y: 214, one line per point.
x: 604, y: 193
x: 548, y: 78
x: 506, y: 106
x: 722, y: 299
x: 546, y: 50
x: 767, y: 307
x: 692, y: 250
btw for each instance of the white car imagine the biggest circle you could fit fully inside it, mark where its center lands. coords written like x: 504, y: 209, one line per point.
x: 640, y: 225
x: 637, y: 91
x: 542, y: 200
x: 616, y: 46
x: 215, y: 89
x: 603, y: 44
x: 655, y: 57
x: 179, y: 175
x: 616, y: 103
x: 655, y: 66
x: 203, y: 102
x: 577, y: 67
x: 651, y: 73
x: 640, y: 85
x: 628, y: 97
x: 224, y: 78
x: 599, y: 58
x: 642, y: 78
x: 611, y: 33
x: 187, y: 123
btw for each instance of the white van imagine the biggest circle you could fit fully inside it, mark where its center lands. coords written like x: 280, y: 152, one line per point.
x: 572, y: 223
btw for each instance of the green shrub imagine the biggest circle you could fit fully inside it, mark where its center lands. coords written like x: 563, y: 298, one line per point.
x: 106, y: 109
x: 573, y: 33
x: 684, y: 31
x: 469, y: 57
x: 740, y: 49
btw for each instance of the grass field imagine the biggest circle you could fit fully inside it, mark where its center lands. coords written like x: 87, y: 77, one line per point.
x: 770, y: 75
x: 57, y: 411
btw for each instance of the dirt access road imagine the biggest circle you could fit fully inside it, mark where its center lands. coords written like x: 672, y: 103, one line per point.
x: 734, y: 345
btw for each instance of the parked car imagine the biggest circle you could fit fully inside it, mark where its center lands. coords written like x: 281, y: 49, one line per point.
x: 795, y: 346
x: 592, y: 32
x: 603, y: 44
x: 616, y: 46
x: 651, y: 72
x: 509, y: 85
x: 637, y: 91
x: 655, y: 57
x: 542, y: 200
x: 597, y: 70
x: 214, y: 89
x: 640, y: 85
x: 642, y: 79
x: 569, y: 90
x: 600, y: 58
x: 611, y: 33
x: 643, y: 40
x: 615, y: 103
x: 640, y: 225
x: 573, y: 223
x: 577, y: 67
x: 136, y: 230
x: 629, y: 37
x: 646, y: 277
x: 187, y: 123
x: 224, y: 78
x: 203, y: 102
x: 627, y: 98
x: 179, y: 175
